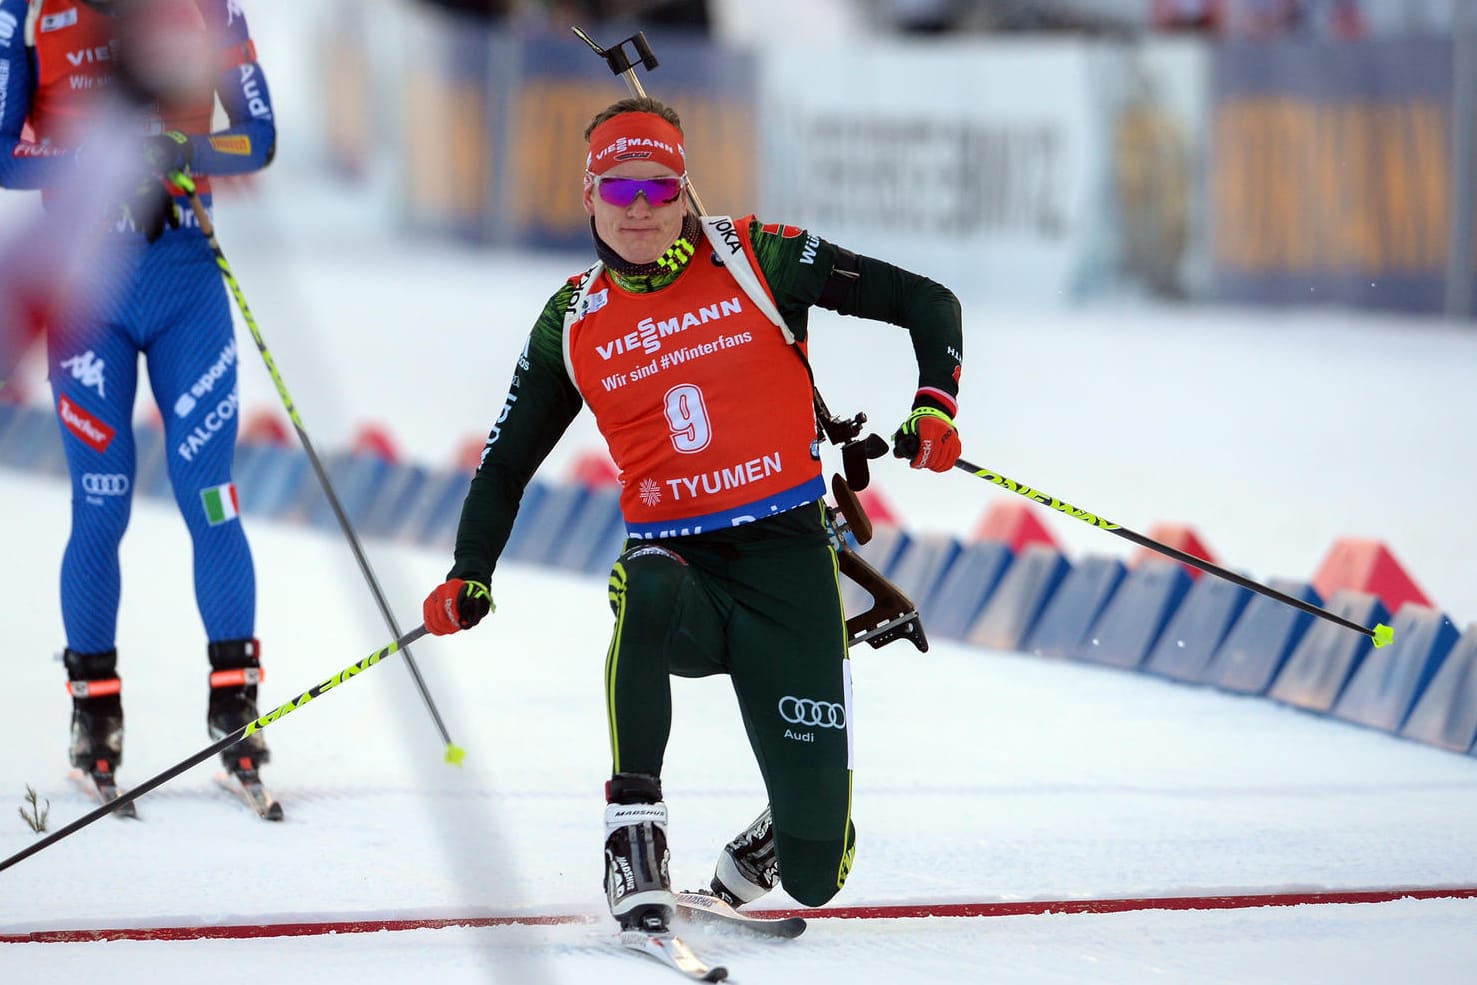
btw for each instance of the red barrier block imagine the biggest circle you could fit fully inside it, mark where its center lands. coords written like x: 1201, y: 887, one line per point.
x: 1181, y: 538
x: 468, y: 454
x: 1015, y: 523
x: 594, y: 470
x: 373, y: 440
x: 264, y: 427
x: 1361, y: 565
x: 877, y: 507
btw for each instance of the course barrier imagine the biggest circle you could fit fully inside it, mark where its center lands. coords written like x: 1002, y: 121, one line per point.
x: 1012, y: 589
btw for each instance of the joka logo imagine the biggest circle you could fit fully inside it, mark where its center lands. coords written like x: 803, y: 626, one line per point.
x: 105, y: 484
x: 811, y: 713
x: 91, y: 431
x: 88, y: 368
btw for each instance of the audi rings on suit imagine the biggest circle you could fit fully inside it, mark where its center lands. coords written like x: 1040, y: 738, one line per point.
x: 815, y: 714
x: 104, y: 483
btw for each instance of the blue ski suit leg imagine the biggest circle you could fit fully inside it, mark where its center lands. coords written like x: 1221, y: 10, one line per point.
x: 172, y: 308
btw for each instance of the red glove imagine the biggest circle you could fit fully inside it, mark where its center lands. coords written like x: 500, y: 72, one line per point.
x: 456, y: 605
x: 928, y: 439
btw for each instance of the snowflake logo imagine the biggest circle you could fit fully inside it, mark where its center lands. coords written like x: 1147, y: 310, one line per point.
x: 651, y: 493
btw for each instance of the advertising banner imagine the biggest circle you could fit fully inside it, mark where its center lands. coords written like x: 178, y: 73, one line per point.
x: 1331, y: 172
x: 971, y: 162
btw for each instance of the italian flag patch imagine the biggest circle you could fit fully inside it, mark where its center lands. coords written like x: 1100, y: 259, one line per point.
x: 220, y: 503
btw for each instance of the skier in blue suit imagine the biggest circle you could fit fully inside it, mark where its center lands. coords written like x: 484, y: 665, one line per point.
x: 70, y: 71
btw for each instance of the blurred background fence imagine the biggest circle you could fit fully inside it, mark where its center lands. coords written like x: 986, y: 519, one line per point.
x: 1268, y: 151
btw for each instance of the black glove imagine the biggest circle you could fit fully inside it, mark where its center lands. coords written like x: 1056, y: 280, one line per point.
x: 167, y: 152
x: 150, y: 207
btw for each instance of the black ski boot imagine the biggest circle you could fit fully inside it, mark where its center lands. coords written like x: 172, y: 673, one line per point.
x: 747, y: 868
x: 235, y: 671
x: 97, y: 722
x: 638, y: 886
x: 97, y: 710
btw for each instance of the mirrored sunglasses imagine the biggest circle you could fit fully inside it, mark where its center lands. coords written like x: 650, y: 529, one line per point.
x: 621, y: 192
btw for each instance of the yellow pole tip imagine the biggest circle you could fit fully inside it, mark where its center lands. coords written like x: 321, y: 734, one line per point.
x: 455, y: 754
x: 1382, y: 634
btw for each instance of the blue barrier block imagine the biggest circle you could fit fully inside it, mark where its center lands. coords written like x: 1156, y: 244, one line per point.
x: 151, y: 464
x: 1328, y: 654
x: 591, y: 531
x: 545, y: 536
x: 1445, y: 715
x: 882, y: 552
x: 527, y: 520
x: 1135, y: 615
x: 1075, y: 606
x: 398, y: 504
x: 920, y: 568
x: 270, y: 480
x: 1013, y: 608
x: 604, y: 553
x: 1198, y: 627
x: 439, y: 509
x: 32, y: 441
x: 356, y: 480
x: 961, y: 594
x: 1260, y: 641
x: 1389, y: 680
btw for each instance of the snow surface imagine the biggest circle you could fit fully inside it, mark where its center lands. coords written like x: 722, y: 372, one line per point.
x: 981, y: 776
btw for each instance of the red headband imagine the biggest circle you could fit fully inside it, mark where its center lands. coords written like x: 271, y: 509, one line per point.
x: 636, y: 136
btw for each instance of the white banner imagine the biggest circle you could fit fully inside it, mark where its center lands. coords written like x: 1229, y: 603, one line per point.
x: 972, y: 162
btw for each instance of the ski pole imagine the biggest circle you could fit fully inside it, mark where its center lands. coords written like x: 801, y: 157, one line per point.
x: 454, y: 752
x: 271, y: 717
x: 1380, y: 634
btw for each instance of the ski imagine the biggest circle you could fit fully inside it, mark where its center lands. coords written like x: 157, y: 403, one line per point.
x: 246, y: 785
x: 673, y: 952
x: 702, y: 908
x: 100, y: 786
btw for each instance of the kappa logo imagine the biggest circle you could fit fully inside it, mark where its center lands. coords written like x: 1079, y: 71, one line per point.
x: 87, y: 368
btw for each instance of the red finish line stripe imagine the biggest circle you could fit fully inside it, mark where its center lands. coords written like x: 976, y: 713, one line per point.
x: 880, y: 912
x: 1036, y: 907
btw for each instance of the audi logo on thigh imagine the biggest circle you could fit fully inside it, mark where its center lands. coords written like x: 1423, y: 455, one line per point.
x: 811, y: 713
x: 104, y: 483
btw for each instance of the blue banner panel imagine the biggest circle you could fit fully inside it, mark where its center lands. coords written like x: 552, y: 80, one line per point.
x: 1330, y: 176
x: 1258, y: 645
x: 1328, y: 655
x: 562, y: 84
x: 1201, y: 623
x: 1133, y: 618
x: 1446, y: 713
x: 1390, y: 680
x: 1075, y: 606
x: 1013, y: 609
x: 952, y: 607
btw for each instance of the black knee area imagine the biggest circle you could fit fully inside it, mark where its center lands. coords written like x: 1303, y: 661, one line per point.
x: 656, y: 574
x: 633, y: 788
x: 91, y: 666
x: 234, y: 654
x: 814, y: 871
